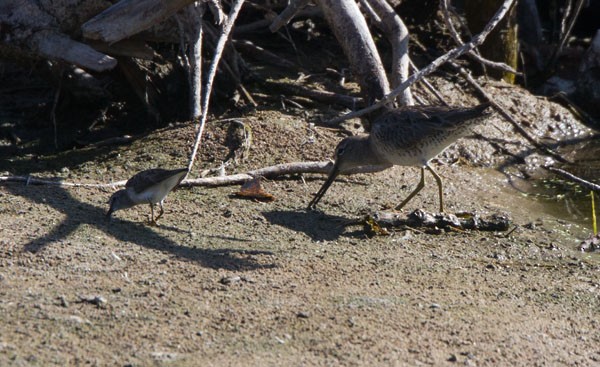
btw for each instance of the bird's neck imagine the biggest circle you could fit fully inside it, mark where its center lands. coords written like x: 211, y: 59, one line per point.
x: 364, y: 154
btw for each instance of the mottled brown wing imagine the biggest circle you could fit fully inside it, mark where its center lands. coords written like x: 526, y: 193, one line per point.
x: 151, y: 177
x: 411, y: 126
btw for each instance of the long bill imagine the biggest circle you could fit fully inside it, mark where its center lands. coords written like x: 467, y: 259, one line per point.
x: 335, y: 171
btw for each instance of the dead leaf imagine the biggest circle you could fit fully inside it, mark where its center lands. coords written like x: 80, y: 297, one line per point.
x: 252, y: 189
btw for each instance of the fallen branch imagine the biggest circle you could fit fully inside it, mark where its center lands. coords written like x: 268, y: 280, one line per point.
x: 129, y: 17
x: 270, y: 172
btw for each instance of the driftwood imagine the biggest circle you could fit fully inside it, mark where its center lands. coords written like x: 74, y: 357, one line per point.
x: 394, y: 29
x: 352, y: 32
x: 129, y: 17
x: 30, y: 30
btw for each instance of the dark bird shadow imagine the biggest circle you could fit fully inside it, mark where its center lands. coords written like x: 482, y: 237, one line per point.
x: 318, y: 225
x: 78, y: 213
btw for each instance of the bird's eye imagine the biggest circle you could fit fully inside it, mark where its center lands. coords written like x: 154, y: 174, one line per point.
x: 341, y: 150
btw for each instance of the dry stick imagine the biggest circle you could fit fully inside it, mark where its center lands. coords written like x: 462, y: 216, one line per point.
x: 454, y: 34
x: 566, y: 35
x: 572, y: 177
x: 563, y: 22
x: 277, y: 171
x: 267, y: 172
x: 287, y: 14
x: 54, y: 105
x: 451, y: 55
x: 226, y: 29
x: 542, y: 147
x: 429, y: 86
x: 234, y: 74
x: 248, y: 48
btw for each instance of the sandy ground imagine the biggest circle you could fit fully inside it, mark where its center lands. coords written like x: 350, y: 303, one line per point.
x: 227, y: 281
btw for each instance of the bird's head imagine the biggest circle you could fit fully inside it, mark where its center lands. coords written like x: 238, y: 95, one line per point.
x: 352, y: 152
x: 119, y: 200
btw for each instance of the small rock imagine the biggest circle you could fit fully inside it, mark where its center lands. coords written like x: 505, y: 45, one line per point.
x: 95, y: 300
x: 63, y: 301
x: 303, y: 315
x: 230, y: 279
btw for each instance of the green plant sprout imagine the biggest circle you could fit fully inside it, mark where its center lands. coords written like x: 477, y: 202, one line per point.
x: 594, y: 226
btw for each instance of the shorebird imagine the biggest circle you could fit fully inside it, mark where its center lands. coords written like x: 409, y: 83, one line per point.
x: 147, y: 187
x: 408, y: 136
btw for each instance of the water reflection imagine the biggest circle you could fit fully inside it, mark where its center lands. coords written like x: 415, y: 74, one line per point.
x: 566, y: 199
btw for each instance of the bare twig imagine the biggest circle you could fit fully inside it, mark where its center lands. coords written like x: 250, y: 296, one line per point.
x: 565, y: 17
x: 277, y: 171
x: 55, y: 105
x: 540, y: 146
x: 451, y: 55
x: 566, y: 35
x: 226, y: 29
x: 587, y: 184
x: 287, y: 14
x: 454, y: 34
x: 428, y: 85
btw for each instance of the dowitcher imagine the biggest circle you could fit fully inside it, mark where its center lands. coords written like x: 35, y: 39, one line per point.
x: 408, y: 136
x: 147, y: 187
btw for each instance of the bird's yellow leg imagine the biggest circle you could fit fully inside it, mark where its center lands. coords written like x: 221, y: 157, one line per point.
x: 162, y: 211
x: 152, y: 220
x: 415, y: 191
x: 438, y: 179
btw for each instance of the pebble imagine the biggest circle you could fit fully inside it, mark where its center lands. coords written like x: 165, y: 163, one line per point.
x: 230, y: 279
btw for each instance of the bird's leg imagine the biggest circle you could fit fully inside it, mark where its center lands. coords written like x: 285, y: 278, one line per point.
x: 162, y: 211
x: 438, y: 179
x: 152, y: 221
x: 415, y: 191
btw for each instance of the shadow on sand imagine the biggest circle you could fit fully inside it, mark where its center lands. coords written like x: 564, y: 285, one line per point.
x: 79, y: 213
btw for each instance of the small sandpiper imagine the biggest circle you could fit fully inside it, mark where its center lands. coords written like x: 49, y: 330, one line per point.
x: 407, y: 136
x: 147, y: 187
